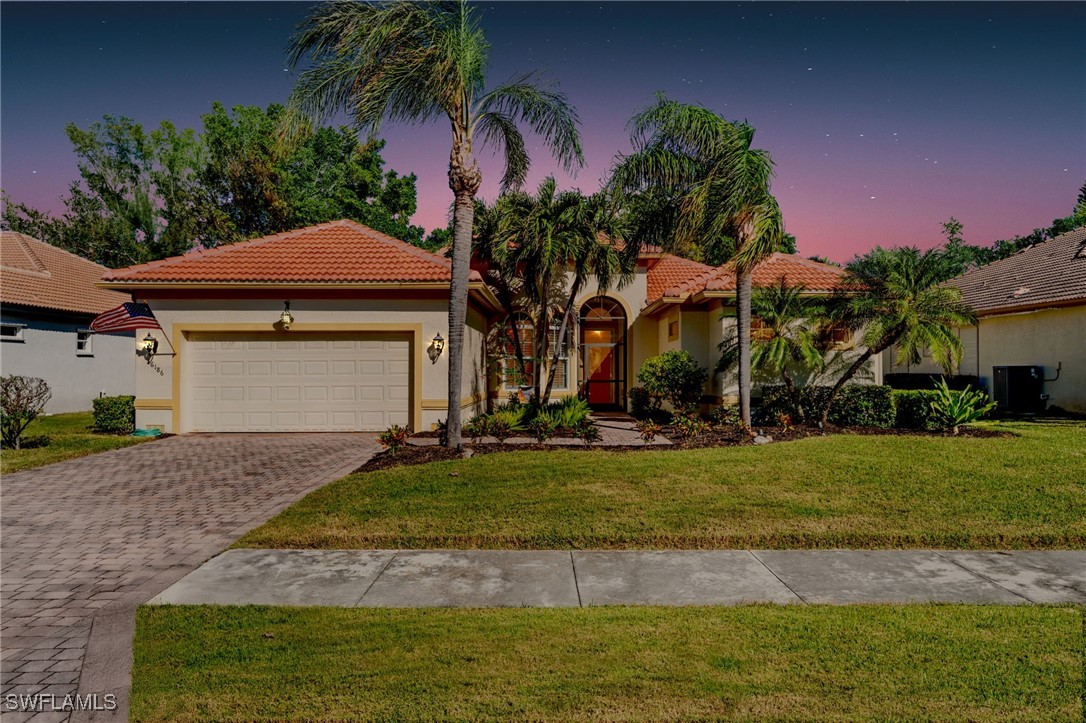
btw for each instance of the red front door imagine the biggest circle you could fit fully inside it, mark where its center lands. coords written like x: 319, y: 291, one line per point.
x: 601, y: 374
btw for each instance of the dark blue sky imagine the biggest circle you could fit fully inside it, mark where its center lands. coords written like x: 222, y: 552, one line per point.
x: 884, y: 118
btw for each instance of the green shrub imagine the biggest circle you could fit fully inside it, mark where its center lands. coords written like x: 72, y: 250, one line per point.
x: 567, y: 413
x: 642, y: 404
x: 689, y: 424
x: 22, y: 399
x: 587, y: 432
x: 514, y: 416
x: 543, y: 426
x: 115, y: 415
x: 476, y: 427
x: 856, y: 405
x: 674, y: 376
x: 498, y: 428
x: 648, y: 430
x: 957, y: 408
x: 863, y: 406
x: 393, y: 438
x: 914, y: 409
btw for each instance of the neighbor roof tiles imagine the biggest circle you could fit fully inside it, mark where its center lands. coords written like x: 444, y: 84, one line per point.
x: 34, y: 273
x: 338, y: 252
x: 1052, y: 272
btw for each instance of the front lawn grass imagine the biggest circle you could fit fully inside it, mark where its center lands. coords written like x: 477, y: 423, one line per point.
x: 849, y: 491
x: 70, y: 436
x: 924, y: 662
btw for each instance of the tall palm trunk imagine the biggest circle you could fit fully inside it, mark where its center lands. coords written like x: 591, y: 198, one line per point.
x: 464, y: 180
x: 885, y: 344
x: 742, y: 321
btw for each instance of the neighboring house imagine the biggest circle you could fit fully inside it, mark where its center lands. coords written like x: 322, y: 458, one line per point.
x: 366, y: 311
x: 1031, y: 310
x: 48, y: 299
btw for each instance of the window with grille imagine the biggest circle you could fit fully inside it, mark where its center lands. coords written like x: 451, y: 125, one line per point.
x: 83, y: 342
x: 511, y: 371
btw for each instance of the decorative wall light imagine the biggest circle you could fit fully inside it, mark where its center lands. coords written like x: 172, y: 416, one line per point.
x: 147, y: 346
x: 437, y: 345
x: 285, y: 319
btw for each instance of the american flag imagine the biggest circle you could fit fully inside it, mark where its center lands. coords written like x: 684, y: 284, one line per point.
x: 126, y: 317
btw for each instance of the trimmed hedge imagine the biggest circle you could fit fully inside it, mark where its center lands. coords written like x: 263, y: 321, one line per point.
x: 856, y: 405
x: 914, y: 409
x: 957, y: 382
x: 115, y: 415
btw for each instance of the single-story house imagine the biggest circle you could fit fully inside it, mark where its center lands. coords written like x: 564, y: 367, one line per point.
x: 48, y: 298
x: 366, y: 315
x: 1029, y: 345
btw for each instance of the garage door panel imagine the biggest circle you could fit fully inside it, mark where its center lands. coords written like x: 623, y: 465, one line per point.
x: 343, y: 382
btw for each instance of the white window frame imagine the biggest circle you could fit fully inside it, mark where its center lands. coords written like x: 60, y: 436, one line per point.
x: 508, y: 360
x: 88, y: 348
x: 562, y: 358
x: 18, y: 337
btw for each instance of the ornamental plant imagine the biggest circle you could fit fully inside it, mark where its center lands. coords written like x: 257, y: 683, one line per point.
x: 674, y: 376
x: 394, y: 438
x: 543, y: 427
x: 587, y: 432
x: 648, y: 430
x: 958, y: 408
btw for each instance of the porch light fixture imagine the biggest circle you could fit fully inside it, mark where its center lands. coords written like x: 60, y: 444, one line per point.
x: 285, y: 319
x: 439, y: 343
x: 147, y: 346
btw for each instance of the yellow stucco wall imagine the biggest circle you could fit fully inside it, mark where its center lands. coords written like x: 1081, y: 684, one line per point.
x: 1038, y: 338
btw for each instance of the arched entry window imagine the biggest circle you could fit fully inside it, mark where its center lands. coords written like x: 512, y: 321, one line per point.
x: 603, y: 352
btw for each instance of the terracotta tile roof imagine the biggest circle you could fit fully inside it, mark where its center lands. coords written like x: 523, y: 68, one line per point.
x: 1052, y: 272
x: 34, y: 273
x: 670, y: 272
x: 338, y: 252
x: 680, y: 278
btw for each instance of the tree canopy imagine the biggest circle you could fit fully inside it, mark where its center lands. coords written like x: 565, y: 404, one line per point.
x: 144, y: 195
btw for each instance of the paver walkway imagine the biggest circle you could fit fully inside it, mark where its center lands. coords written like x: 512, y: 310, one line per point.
x: 554, y: 578
x: 86, y: 541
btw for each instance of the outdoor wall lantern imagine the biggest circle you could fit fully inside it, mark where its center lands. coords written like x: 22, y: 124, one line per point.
x: 148, y: 346
x: 437, y: 345
x: 285, y: 319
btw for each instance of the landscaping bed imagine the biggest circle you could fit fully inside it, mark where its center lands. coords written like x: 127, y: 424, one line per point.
x: 872, y: 662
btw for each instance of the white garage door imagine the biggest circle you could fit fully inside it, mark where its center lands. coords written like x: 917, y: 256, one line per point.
x: 297, y: 382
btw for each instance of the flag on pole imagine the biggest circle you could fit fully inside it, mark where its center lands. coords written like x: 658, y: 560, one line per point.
x: 126, y: 317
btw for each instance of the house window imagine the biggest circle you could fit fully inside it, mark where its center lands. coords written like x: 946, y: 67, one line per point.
x: 12, y: 332
x: 759, y: 330
x: 510, y: 370
x: 83, y: 342
x: 673, y: 330
x: 838, y: 336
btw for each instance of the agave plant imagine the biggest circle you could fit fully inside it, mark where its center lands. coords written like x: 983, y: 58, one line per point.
x: 958, y: 408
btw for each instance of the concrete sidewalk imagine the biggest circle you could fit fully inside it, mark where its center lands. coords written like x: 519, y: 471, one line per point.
x: 515, y: 578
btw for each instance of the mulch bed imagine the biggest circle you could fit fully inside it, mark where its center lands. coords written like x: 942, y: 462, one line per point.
x: 727, y: 437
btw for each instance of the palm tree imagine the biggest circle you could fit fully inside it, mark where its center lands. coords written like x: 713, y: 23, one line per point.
x: 894, y: 296
x: 720, y: 187
x: 788, y: 338
x: 416, y: 62
x: 537, y: 240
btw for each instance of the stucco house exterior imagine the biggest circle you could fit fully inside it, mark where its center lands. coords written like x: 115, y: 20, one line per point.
x: 368, y: 314
x: 48, y: 298
x: 1031, y: 311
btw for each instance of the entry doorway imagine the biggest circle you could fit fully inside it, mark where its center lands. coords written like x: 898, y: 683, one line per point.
x: 603, y: 353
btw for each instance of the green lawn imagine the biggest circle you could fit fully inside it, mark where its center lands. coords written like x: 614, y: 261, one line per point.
x: 70, y: 436
x: 840, y: 491
x: 859, y: 662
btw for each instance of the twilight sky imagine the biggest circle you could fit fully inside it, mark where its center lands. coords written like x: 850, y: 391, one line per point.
x: 883, y: 118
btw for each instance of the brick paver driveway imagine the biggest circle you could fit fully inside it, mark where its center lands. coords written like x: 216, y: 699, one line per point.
x: 86, y: 541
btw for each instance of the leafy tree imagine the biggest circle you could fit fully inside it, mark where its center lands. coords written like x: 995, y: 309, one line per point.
x: 894, y: 296
x: 22, y: 400
x: 143, y: 196
x: 417, y: 62
x: 719, y: 185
